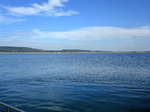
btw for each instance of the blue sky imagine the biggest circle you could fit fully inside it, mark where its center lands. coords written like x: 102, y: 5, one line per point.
x: 76, y: 24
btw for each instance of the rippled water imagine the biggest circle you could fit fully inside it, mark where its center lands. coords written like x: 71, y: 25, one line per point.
x: 76, y: 82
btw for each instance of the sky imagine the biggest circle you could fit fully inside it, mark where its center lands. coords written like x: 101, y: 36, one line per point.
x: 76, y: 24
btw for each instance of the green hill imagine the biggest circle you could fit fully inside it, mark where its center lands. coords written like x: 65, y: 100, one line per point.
x: 17, y: 49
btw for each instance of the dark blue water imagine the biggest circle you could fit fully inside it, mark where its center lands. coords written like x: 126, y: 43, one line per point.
x: 76, y: 82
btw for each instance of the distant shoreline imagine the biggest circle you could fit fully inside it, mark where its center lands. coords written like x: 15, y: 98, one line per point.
x: 14, y: 49
x: 74, y: 51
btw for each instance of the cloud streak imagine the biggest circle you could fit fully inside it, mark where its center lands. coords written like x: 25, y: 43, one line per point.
x: 9, y: 20
x: 51, y: 8
x: 95, y: 33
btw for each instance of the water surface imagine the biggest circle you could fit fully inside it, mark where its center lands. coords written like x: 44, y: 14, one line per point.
x: 83, y: 82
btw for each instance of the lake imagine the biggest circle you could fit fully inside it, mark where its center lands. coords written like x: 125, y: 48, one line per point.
x: 76, y: 82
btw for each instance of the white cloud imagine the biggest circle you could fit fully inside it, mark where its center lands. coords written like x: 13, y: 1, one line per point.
x: 52, y: 8
x: 9, y: 20
x: 95, y: 33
